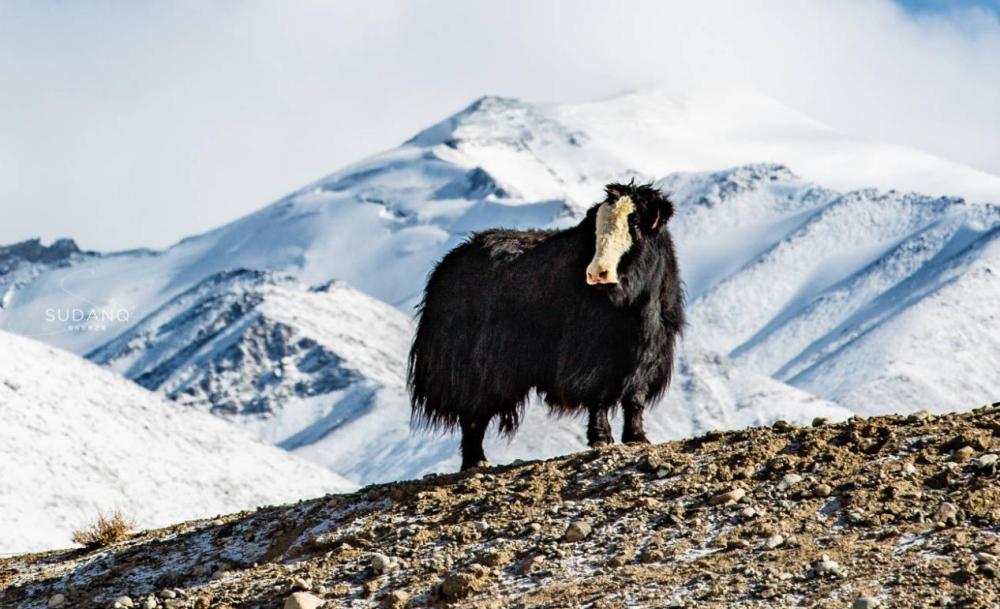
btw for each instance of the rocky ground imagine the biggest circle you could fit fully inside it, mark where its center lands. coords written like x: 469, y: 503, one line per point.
x: 889, y: 511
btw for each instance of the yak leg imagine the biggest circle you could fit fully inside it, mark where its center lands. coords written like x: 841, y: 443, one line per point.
x: 473, y: 432
x: 632, y: 432
x: 598, y: 428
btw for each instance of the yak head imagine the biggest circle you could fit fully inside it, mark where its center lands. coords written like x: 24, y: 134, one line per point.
x: 627, y: 221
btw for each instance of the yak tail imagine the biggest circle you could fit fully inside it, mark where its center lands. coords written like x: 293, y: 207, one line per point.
x: 429, y: 380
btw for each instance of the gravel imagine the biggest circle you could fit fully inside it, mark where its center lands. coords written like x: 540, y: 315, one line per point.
x: 880, y: 510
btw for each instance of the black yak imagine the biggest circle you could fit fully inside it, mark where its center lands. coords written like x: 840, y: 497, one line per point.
x: 587, y: 317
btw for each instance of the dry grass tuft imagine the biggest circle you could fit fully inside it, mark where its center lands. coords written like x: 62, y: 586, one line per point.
x: 107, y: 529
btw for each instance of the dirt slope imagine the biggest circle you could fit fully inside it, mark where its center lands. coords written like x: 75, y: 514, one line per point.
x: 899, y: 511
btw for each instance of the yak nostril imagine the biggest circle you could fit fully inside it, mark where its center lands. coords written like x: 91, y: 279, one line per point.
x: 603, y: 274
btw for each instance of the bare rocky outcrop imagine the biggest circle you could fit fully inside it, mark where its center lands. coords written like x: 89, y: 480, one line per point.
x: 887, y: 511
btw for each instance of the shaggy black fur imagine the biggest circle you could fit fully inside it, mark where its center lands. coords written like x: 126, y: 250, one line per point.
x: 508, y: 312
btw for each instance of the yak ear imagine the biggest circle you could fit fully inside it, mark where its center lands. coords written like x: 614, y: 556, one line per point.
x: 663, y: 210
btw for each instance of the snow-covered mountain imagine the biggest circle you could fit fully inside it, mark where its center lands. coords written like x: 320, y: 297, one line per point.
x: 845, y: 295
x: 21, y: 263
x: 876, y: 300
x: 289, y: 362
x: 869, y: 297
x: 381, y: 223
x: 76, y: 438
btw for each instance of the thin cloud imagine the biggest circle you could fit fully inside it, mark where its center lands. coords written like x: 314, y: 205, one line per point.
x: 136, y: 124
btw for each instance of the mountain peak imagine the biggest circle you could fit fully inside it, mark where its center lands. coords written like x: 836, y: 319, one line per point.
x: 492, y: 120
x: 32, y: 250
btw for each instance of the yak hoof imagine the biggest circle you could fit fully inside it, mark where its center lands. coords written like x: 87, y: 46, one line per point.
x: 640, y: 439
x: 601, y: 444
x: 483, y: 464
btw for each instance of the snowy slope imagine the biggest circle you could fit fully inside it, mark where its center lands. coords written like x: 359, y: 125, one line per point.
x: 321, y: 372
x: 261, y: 349
x: 708, y: 392
x: 76, y: 438
x: 381, y: 223
x: 21, y: 263
x: 877, y: 300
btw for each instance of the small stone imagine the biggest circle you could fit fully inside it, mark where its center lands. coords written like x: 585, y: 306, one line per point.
x: 664, y: 471
x: 820, y: 421
x: 577, y: 530
x: 865, y: 602
x: 788, y: 481
x: 774, y: 541
x: 985, y: 461
x: 302, y: 600
x: 395, y: 600
x: 947, y: 514
x: 531, y: 565
x: 986, y: 557
x: 781, y: 425
x: 822, y: 490
x: 300, y: 583
x: 826, y: 565
x: 748, y: 512
x: 737, y: 544
x: 964, y: 454
x: 122, y: 601
x: 649, y: 502
x: 497, y: 557
x: 916, y: 417
x: 166, y: 594
x: 56, y: 600
x: 479, y: 570
x: 460, y: 585
x: 619, y: 560
x: 382, y: 563
x: 373, y: 585
x: 731, y: 496
x: 481, y: 526
x: 340, y: 589
x: 150, y: 602
x: 909, y: 468
x: 651, y: 556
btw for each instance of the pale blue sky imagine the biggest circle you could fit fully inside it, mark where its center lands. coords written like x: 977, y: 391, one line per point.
x: 126, y: 124
x: 944, y: 6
